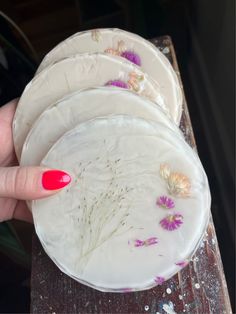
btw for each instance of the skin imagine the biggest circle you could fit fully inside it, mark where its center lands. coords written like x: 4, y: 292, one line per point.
x: 17, y: 184
x: 10, y: 207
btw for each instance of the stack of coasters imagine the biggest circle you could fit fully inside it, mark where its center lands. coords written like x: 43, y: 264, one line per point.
x: 72, y: 74
x: 105, y: 106
x: 128, y: 46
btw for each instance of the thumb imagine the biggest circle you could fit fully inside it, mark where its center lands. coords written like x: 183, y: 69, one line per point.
x: 28, y: 183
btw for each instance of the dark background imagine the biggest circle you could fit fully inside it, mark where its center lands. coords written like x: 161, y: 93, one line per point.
x: 203, y: 36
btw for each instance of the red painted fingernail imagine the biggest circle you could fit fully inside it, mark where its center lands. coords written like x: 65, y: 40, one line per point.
x: 55, y: 179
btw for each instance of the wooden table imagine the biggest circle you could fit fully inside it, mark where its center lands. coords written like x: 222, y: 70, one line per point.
x: 198, y: 288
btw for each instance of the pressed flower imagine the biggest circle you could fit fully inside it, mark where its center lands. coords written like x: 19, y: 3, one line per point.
x: 112, y: 51
x: 117, y: 83
x: 178, y: 184
x: 95, y: 34
x: 159, y: 280
x: 172, y: 222
x: 147, y: 242
x: 117, y: 52
x: 164, y: 171
x: 132, y: 57
x: 182, y: 264
x: 134, y: 81
x: 133, y: 76
x: 126, y: 290
x: 165, y: 202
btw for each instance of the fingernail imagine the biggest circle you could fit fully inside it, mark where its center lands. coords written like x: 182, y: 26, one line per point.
x: 55, y: 179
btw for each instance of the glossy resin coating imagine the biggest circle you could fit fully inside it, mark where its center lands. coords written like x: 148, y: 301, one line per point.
x: 70, y: 75
x: 131, y: 47
x: 80, y: 107
x: 136, y: 208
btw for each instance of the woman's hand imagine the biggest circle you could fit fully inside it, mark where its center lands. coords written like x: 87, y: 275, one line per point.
x: 21, y: 183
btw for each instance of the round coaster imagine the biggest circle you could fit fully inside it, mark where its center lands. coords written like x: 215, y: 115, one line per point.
x: 136, y: 208
x: 80, y: 107
x: 129, y: 46
x: 71, y: 74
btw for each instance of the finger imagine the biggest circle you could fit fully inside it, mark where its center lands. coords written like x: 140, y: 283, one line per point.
x: 6, y: 141
x: 29, y: 183
x: 11, y: 208
x: 22, y: 212
x: 7, y: 207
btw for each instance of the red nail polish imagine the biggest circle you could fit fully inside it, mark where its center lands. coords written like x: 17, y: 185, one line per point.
x: 55, y: 179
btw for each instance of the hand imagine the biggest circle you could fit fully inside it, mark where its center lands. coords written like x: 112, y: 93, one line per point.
x: 21, y: 183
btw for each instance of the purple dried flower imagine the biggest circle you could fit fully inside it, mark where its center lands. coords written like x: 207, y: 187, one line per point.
x: 165, y: 202
x: 151, y: 241
x: 138, y: 243
x: 172, y: 222
x: 126, y: 290
x: 159, y: 280
x: 148, y: 242
x: 117, y: 83
x: 182, y: 264
x: 132, y: 57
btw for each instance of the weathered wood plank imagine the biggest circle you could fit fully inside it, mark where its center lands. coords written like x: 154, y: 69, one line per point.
x: 198, y: 288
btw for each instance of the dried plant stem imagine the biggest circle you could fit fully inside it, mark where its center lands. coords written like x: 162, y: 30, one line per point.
x: 105, y: 217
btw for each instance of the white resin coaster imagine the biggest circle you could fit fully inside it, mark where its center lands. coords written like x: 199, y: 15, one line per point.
x: 129, y: 46
x: 69, y: 75
x: 80, y: 107
x: 136, y: 208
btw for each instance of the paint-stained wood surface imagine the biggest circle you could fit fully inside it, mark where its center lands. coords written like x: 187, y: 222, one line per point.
x: 198, y: 288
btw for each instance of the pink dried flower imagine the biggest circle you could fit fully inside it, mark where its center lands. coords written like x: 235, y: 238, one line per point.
x: 126, y: 290
x: 132, y: 57
x: 148, y: 242
x: 165, y: 202
x: 117, y: 83
x: 159, y: 280
x: 182, y: 264
x: 172, y: 222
